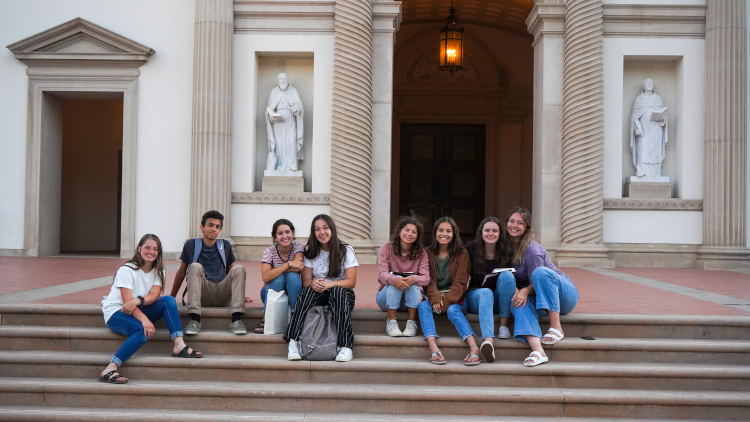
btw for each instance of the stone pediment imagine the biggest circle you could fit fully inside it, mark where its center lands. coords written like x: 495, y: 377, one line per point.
x: 79, y: 42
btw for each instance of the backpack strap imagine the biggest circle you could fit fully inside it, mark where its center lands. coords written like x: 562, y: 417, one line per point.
x: 321, y: 325
x: 220, y: 246
x: 197, y: 249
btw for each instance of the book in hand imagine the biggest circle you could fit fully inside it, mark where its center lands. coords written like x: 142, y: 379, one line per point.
x: 275, y: 115
x: 658, y: 115
x: 502, y: 270
x: 403, y: 273
x: 490, y: 280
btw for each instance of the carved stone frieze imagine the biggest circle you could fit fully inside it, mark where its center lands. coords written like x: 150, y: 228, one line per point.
x: 304, y: 198
x: 653, y: 204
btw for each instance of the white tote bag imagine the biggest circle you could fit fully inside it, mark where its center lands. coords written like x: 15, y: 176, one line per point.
x: 277, y: 312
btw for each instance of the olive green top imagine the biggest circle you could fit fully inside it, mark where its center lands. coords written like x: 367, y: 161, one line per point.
x: 444, y: 280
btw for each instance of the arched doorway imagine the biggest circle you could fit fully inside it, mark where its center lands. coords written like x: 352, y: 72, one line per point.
x: 491, y: 98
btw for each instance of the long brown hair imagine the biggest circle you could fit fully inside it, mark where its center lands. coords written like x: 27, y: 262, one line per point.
x: 416, y: 247
x: 479, y: 257
x: 514, y: 252
x: 455, y: 246
x: 136, y: 262
x: 337, y: 251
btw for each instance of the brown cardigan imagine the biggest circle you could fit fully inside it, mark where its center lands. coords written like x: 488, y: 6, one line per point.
x: 459, y: 269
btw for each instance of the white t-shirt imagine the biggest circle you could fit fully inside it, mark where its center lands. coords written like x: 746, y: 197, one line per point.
x: 319, y: 265
x: 136, y: 280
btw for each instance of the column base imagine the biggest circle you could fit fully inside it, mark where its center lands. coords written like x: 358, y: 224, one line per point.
x: 367, y: 250
x: 581, y: 255
x: 723, y: 258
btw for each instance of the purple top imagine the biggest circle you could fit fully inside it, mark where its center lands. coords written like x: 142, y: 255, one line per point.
x: 534, y: 257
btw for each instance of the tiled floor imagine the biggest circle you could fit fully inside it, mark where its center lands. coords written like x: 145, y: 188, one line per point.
x: 598, y: 293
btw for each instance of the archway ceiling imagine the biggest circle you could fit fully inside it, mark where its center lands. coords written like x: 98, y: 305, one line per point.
x: 506, y: 15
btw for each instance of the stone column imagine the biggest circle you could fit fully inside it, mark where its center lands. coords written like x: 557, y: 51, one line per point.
x: 725, y: 153
x: 581, y: 214
x: 547, y: 23
x: 211, y: 170
x: 351, y: 144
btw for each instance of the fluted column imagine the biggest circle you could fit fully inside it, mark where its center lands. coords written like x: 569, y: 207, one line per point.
x: 582, y: 206
x: 210, y: 184
x: 725, y: 159
x: 351, y: 144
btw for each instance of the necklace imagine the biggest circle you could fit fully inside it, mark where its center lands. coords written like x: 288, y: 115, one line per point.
x: 281, y: 255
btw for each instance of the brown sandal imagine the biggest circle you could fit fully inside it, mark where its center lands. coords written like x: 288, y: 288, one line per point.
x: 112, y: 377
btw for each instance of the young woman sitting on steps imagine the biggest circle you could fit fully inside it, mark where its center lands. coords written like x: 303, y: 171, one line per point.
x: 134, y: 304
x: 480, y: 297
x: 544, y: 289
x: 404, y: 269
x: 328, y: 278
x: 281, y: 265
x: 449, y: 275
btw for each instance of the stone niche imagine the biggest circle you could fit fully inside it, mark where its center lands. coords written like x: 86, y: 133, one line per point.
x: 664, y: 70
x: 299, y: 67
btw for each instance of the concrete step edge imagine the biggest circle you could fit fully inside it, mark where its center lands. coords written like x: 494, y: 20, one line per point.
x: 377, y: 315
x: 377, y: 392
x: 48, y: 413
x: 499, y: 367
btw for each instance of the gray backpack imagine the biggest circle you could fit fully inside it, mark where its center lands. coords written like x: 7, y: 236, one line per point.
x: 318, y: 338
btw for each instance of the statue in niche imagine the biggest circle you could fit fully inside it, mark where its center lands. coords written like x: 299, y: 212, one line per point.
x: 648, y: 131
x: 284, y: 116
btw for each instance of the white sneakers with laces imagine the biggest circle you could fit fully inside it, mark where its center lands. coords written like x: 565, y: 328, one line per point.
x: 411, y: 329
x: 294, y: 351
x: 345, y: 355
x: 391, y: 328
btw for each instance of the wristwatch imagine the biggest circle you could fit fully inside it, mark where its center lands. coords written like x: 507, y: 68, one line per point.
x: 143, y: 301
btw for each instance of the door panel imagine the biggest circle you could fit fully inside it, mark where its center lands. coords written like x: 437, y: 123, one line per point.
x: 442, y: 173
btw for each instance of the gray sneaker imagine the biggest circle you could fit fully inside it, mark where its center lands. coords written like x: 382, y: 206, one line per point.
x: 192, y: 328
x: 238, y: 328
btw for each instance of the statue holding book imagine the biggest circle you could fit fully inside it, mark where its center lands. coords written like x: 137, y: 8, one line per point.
x: 284, y: 116
x: 648, y: 131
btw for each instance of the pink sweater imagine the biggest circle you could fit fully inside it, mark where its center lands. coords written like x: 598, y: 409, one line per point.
x: 389, y: 262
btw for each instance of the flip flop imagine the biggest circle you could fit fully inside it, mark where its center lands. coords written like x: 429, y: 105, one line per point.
x: 536, y: 359
x: 488, y: 352
x: 552, y: 338
x: 440, y: 361
x: 184, y: 353
x: 475, y: 363
x: 111, y: 378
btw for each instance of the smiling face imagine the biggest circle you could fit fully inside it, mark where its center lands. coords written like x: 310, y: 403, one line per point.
x: 322, y: 231
x: 490, y: 233
x: 444, y: 233
x: 212, y: 229
x: 516, y: 226
x: 284, y: 235
x: 408, y: 234
x: 149, y: 251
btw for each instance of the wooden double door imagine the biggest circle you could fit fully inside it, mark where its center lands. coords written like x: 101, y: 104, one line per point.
x: 442, y: 174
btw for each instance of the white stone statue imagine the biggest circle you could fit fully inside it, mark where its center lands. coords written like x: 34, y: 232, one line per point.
x: 648, y: 131
x: 284, y: 116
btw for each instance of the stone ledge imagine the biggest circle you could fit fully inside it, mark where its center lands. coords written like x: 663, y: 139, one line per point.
x: 654, y: 20
x: 655, y: 204
x: 304, y: 198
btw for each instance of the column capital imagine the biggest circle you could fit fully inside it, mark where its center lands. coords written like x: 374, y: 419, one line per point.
x: 546, y: 19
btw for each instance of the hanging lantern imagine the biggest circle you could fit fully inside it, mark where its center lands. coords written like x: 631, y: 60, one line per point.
x: 452, y: 44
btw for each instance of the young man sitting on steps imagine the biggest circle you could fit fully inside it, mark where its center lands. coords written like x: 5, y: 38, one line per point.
x: 213, y: 276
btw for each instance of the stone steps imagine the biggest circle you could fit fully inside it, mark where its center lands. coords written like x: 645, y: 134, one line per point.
x: 373, y: 322
x: 377, y: 398
x: 730, y: 352
x: 80, y: 414
x: 216, y: 368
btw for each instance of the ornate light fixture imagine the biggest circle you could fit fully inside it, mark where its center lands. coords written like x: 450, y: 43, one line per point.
x: 452, y: 44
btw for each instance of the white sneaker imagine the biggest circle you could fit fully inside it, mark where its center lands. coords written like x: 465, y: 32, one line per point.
x: 391, y: 328
x: 345, y: 355
x: 293, y: 351
x: 503, y: 332
x: 411, y: 329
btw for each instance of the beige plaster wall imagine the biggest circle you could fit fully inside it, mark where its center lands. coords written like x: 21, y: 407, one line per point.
x: 92, y: 139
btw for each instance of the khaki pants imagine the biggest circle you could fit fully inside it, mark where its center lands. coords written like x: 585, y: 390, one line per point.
x: 228, y: 292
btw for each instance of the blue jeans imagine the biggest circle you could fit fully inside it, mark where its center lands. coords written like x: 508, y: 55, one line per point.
x: 504, y: 292
x: 554, y: 292
x: 480, y: 301
x: 290, y: 282
x: 455, y: 315
x: 389, y: 297
x: 128, y: 325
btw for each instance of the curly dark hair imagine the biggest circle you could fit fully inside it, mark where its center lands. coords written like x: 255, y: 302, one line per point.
x: 416, y: 249
x: 212, y: 214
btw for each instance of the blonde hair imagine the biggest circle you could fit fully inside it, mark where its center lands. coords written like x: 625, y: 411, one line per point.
x: 515, y: 251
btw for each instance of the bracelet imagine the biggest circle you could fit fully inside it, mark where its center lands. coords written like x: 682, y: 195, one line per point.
x: 143, y: 301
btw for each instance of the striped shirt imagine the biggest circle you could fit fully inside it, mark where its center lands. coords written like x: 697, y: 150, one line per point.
x: 271, y: 255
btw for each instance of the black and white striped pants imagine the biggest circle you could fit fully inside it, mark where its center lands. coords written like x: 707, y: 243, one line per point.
x: 341, y: 302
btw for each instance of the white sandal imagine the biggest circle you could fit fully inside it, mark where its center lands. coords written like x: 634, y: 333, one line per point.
x: 536, y: 359
x: 552, y: 338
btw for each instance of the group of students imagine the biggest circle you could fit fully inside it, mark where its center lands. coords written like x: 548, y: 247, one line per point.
x: 444, y: 278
